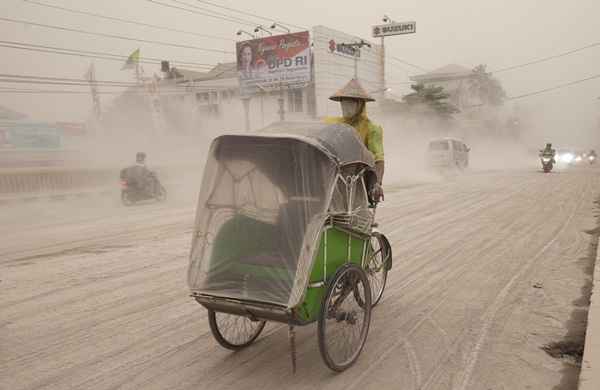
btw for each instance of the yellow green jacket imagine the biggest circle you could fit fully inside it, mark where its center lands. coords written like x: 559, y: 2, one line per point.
x: 370, y: 133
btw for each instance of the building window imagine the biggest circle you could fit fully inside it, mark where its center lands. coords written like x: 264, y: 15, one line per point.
x: 202, y: 97
x: 295, y: 100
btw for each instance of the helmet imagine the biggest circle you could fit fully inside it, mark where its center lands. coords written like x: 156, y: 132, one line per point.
x: 352, y: 90
x: 140, y: 157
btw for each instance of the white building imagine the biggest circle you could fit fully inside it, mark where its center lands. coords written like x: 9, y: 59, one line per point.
x: 455, y: 81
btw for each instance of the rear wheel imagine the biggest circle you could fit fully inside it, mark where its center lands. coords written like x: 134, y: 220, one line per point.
x: 345, y: 317
x: 125, y: 199
x: 232, y: 331
x: 161, y: 195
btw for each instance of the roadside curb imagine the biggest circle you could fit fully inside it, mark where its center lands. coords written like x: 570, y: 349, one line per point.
x: 589, y: 377
x: 27, y: 198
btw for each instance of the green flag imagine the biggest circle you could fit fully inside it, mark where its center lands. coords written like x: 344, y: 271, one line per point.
x: 132, y: 61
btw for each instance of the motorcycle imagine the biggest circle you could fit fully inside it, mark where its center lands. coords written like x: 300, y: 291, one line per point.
x: 591, y: 159
x: 547, y: 163
x: 131, y: 193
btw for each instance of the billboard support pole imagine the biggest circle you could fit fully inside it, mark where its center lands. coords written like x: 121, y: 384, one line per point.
x: 262, y: 108
x: 280, y: 101
x: 246, y: 102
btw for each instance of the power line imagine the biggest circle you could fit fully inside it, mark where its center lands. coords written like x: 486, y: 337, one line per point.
x: 62, y: 81
x: 240, y: 20
x: 226, y: 18
x: 554, y: 88
x: 71, y: 92
x: 408, y: 63
x: 92, y: 54
x: 172, y: 88
x: 544, y: 59
x: 112, y: 18
x: 116, y: 36
x: 249, y: 14
x: 48, y: 78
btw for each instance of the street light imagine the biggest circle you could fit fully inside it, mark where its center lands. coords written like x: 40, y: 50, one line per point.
x: 275, y: 25
x: 387, y: 89
x: 240, y: 32
x: 261, y: 28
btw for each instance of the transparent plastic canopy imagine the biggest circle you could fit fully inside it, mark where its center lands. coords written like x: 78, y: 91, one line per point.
x: 263, y: 202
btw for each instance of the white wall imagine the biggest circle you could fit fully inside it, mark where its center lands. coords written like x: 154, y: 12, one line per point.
x: 333, y: 70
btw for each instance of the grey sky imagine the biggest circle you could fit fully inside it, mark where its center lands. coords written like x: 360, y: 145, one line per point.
x: 465, y: 32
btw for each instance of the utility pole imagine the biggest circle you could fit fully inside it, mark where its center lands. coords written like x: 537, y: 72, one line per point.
x: 90, y: 76
x: 390, y: 28
x: 383, y: 67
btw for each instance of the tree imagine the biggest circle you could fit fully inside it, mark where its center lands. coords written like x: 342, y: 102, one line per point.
x: 485, y: 87
x: 433, y: 98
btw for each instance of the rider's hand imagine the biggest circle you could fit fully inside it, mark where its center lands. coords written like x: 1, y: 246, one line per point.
x: 377, y: 193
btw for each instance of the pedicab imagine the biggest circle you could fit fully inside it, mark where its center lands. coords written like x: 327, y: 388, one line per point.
x: 285, y: 232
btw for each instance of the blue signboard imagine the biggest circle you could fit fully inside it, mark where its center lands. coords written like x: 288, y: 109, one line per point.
x: 29, y: 135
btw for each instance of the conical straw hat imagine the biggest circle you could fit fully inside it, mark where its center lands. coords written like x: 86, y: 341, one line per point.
x: 352, y: 90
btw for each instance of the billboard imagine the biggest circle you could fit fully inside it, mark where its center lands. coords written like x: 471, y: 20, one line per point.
x: 269, y: 63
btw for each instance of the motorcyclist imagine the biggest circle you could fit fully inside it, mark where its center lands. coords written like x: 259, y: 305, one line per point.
x: 353, y: 98
x: 138, y: 176
x: 548, y: 151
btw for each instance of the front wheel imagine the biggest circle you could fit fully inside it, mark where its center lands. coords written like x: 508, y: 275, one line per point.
x: 344, y: 319
x: 234, y: 332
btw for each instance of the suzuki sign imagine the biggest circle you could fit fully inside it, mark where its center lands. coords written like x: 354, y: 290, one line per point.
x: 385, y: 30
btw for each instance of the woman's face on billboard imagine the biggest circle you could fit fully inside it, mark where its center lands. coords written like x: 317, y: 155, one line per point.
x: 246, y: 56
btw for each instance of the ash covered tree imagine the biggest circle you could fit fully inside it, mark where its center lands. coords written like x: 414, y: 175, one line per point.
x: 432, y: 98
x: 485, y: 87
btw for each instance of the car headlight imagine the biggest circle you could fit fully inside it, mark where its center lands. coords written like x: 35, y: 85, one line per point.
x: 545, y: 159
x: 567, y: 157
x: 578, y: 158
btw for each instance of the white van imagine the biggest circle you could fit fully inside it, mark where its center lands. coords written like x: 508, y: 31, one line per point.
x: 448, y: 152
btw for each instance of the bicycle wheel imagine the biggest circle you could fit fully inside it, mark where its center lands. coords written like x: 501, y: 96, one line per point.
x: 377, y: 267
x: 161, y: 194
x: 234, y: 332
x: 345, y: 316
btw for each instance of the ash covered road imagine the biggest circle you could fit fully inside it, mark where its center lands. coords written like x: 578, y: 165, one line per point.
x: 488, y: 268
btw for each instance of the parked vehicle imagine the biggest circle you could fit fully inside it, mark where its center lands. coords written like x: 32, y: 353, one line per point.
x: 448, y: 152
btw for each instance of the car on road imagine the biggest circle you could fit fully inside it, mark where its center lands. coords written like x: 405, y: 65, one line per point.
x: 447, y: 153
x: 571, y: 156
x: 565, y: 156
